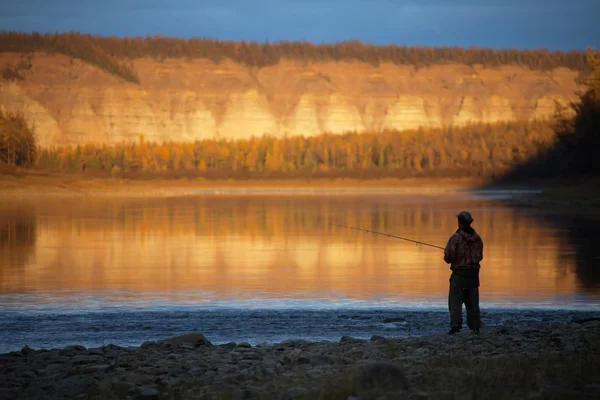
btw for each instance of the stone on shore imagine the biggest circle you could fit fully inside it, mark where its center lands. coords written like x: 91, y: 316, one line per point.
x: 193, y: 339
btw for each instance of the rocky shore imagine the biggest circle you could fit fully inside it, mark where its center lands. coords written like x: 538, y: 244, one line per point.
x: 537, y: 363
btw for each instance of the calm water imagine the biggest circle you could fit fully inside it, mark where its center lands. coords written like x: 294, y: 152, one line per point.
x: 264, y: 268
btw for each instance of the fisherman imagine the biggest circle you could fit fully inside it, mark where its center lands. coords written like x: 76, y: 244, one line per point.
x: 463, y: 252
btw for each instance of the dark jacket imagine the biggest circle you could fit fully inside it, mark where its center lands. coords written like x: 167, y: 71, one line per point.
x: 464, y: 252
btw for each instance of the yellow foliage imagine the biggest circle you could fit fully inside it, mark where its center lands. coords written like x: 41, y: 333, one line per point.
x: 471, y: 150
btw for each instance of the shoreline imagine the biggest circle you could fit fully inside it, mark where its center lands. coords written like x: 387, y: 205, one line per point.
x: 547, y: 360
x: 94, y: 327
x: 578, y: 199
x: 76, y: 187
x: 34, y: 184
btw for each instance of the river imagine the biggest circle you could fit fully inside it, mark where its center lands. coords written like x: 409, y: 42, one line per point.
x: 263, y: 267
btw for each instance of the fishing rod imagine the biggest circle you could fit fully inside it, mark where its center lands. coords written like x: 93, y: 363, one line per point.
x: 392, y: 236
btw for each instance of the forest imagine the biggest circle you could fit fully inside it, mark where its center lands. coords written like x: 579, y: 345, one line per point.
x: 478, y: 150
x: 113, y: 53
x: 472, y: 151
x: 573, y: 154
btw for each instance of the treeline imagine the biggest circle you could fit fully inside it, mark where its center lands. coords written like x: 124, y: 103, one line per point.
x: 574, y: 154
x: 76, y: 45
x: 579, y: 136
x: 473, y: 151
x: 17, y: 141
x: 110, y: 52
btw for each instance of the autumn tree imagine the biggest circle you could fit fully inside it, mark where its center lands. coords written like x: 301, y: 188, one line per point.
x: 17, y: 140
x: 440, y: 152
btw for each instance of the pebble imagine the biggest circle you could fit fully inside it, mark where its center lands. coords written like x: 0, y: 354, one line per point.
x: 146, y: 392
x: 296, y: 392
x: 173, y: 364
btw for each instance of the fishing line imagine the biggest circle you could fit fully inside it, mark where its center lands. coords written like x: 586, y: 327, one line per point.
x: 392, y: 236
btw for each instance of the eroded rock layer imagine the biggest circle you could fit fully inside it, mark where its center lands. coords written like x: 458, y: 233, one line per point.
x: 71, y: 102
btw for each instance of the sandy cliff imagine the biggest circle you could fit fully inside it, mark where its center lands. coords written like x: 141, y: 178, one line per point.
x: 71, y: 102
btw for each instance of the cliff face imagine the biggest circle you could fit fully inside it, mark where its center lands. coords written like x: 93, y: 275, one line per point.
x: 71, y: 102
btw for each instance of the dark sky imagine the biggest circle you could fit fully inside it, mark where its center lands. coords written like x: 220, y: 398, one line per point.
x: 552, y: 24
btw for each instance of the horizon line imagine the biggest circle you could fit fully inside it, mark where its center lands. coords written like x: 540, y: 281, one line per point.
x: 281, y: 41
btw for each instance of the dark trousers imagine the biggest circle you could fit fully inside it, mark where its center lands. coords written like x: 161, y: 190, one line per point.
x: 469, y: 295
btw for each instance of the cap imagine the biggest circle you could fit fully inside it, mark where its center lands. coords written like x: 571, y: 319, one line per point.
x: 465, y: 217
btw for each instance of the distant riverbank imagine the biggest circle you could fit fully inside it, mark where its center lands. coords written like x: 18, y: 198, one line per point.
x: 546, y: 361
x: 36, y: 185
x: 32, y: 184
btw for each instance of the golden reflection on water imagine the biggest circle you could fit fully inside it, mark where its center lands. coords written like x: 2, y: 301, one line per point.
x: 269, y: 246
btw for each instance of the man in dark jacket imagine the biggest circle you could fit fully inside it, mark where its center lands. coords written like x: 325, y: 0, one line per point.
x: 464, y: 252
